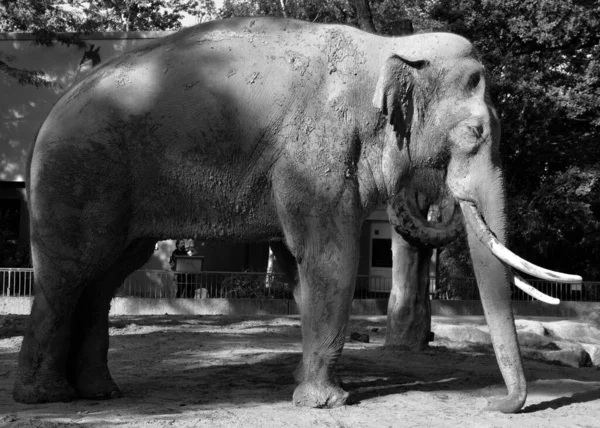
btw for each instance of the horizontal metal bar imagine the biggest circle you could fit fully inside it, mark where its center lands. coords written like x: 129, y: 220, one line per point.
x: 220, y: 284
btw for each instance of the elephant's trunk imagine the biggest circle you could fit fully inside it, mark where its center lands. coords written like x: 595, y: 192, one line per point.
x: 493, y: 279
x: 409, y: 221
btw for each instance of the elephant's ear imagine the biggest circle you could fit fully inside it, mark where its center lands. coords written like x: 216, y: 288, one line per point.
x: 393, y: 93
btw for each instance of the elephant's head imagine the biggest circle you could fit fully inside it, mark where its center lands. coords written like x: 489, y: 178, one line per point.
x: 442, y: 119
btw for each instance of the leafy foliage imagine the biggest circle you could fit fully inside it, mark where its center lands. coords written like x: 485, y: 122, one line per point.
x: 47, y: 17
x: 49, y: 21
x: 36, y: 78
x: 327, y: 11
x: 543, y: 57
x: 563, y: 220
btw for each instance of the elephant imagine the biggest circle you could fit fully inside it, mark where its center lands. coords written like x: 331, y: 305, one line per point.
x: 255, y: 129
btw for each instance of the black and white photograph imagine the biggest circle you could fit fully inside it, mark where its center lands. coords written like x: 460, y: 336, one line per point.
x: 299, y: 213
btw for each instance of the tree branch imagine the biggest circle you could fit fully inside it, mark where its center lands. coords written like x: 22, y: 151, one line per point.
x: 24, y: 77
x: 365, y: 17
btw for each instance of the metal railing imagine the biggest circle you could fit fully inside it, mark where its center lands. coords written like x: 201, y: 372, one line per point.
x: 16, y: 282
x: 260, y: 285
x: 206, y: 285
x: 455, y: 288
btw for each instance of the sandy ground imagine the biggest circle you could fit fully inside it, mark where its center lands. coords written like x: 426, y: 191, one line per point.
x: 215, y: 371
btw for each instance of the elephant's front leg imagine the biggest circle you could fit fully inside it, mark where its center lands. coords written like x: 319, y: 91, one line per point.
x: 327, y: 274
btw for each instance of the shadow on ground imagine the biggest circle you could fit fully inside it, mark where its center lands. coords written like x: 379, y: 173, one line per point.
x: 172, y: 365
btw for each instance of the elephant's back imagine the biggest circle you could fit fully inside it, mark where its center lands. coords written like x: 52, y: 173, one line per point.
x: 229, y: 66
x: 197, y: 114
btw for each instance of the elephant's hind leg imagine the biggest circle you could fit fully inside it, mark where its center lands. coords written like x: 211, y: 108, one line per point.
x: 88, y: 363
x: 41, y: 375
x: 39, y: 379
x: 69, y: 260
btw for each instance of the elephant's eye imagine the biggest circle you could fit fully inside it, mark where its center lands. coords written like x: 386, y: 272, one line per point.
x: 473, y: 81
x: 477, y: 130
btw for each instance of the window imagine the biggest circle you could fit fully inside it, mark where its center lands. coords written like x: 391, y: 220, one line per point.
x: 381, y: 253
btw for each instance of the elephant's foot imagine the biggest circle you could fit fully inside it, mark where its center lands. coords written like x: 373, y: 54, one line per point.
x: 298, y: 373
x: 300, y: 376
x: 49, y: 390
x: 96, y: 385
x: 319, y: 395
x: 512, y: 403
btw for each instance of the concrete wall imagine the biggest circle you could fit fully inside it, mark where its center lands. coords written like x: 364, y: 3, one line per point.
x: 23, y: 108
x: 145, y: 306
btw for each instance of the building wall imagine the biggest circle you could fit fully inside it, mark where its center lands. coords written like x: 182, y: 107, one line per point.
x: 23, y: 108
x: 379, y: 219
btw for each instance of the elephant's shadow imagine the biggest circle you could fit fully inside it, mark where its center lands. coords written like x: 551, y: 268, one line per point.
x: 557, y: 403
x: 367, y: 372
x: 440, y: 370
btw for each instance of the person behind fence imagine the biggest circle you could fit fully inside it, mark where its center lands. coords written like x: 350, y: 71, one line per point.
x: 184, y: 287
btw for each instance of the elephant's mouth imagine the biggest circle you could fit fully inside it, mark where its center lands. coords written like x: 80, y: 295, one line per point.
x: 408, y: 210
x: 408, y: 216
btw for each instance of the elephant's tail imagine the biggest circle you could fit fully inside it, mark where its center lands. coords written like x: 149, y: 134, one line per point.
x: 28, y: 169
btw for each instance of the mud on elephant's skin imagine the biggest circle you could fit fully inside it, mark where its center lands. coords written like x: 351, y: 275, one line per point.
x: 248, y: 129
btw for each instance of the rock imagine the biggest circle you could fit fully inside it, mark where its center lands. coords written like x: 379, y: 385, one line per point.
x: 570, y: 354
x: 593, y: 316
x: 462, y: 333
x: 8, y: 419
x: 532, y: 340
x: 594, y: 353
x: 573, y: 331
x: 530, y: 326
x: 360, y: 337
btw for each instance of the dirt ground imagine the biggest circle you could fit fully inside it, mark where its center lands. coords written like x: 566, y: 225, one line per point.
x: 216, y: 371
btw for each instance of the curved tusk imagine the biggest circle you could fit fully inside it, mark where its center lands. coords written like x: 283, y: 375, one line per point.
x: 532, y: 291
x: 486, y: 236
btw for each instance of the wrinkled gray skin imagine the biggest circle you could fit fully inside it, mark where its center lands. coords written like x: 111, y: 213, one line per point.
x: 243, y: 129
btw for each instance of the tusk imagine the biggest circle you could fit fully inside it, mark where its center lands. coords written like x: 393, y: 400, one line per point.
x: 532, y: 291
x: 485, y: 235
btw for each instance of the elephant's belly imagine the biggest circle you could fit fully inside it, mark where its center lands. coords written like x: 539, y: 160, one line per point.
x: 207, y: 218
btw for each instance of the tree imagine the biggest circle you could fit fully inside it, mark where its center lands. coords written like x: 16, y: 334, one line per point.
x: 543, y: 60
x: 52, y: 17
x: 365, y: 18
x: 65, y: 21
x: 326, y: 11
